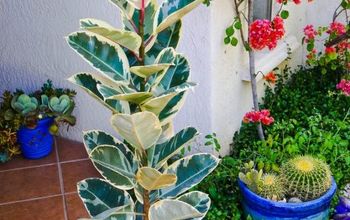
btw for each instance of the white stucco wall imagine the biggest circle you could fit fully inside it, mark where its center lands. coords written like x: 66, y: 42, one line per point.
x: 33, y: 49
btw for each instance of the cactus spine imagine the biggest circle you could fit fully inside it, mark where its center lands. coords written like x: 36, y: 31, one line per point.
x: 306, y: 177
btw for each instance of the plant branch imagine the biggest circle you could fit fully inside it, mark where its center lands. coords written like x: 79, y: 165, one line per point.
x: 239, y: 19
x: 252, y: 71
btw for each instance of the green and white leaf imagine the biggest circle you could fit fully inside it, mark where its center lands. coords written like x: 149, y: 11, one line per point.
x: 137, y: 97
x: 124, y: 6
x: 101, y: 199
x: 114, y: 166
x: 138, y: 3
x: 172, y: 11
x: 173, y: 107
x: 142, y: 130
x: 173, y: 209
x: 89, y: 83
x: 198, y: 200
x: 169, y: 37
x: 167, y: 133
x: 163, y: 152
x: 189, y: 171
x: 174, y: 76
x: 109, y: 59
x: 150, y: 22
x: 95, y: 138
x: 106, y: 32
x: 151, y: 179
x: 148, y: 70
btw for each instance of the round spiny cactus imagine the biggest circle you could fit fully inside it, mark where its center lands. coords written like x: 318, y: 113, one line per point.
x: 272, y: 187
x: 306, y: 178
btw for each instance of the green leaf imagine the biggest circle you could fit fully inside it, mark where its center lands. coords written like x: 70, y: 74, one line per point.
x: 89, y: 82
x: 230, y: 31
x: 94, y: 138
x: 142, y: 130
x: 101, y: 198
x: 125, y: 8
x: 172, y: 11
x: 164, y: 151
x: 109, y: 59
x: 173, y: 209
x: 189, y: 171
x: 238, y: 25
x: 151, y: 179
x: 169, y: 37
x: 234, y: 41
x: 107, y: 33
x: 227, y: 40
x: 156, y: 105
x: 137, y: 97
x: 198, y: 200
x: 114, y: 166
x: 284, y: 14
x: 148, y: 70
x: 173, y: 107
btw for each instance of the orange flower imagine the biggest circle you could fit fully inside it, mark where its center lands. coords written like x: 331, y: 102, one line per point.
x: 270, y: 77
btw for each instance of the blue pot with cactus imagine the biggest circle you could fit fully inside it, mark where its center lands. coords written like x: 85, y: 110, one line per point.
x: 303, y: 190
x: 36, y: 142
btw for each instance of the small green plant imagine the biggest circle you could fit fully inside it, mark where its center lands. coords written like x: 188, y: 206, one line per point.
x: 251, y: 177
x: 212, y: 140
x: 306, y: 177
x: 24, y: 104
x: 272, y: 187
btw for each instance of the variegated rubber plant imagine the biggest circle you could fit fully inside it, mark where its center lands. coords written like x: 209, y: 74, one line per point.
x: 143, y: 81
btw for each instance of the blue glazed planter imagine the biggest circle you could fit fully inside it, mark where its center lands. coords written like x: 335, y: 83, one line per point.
x: 263, y: 209
x: 36, y: 143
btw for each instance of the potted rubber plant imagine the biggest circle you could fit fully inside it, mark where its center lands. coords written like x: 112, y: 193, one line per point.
x: 303, y: 190
x: 37, y: 116
x: 143, y: 81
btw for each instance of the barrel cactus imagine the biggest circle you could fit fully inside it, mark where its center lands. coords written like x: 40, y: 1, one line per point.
x: 272, y: 187
x: 143, y: 81
x: 24, y: 104
x: 306, y: 177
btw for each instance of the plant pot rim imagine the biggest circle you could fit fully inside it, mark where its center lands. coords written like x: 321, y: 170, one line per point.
x: 301, y: 207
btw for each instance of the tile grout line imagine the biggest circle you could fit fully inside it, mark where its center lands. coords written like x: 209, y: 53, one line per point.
x: 29, y: 167
x: 60, y: 176
x: 31, y: 199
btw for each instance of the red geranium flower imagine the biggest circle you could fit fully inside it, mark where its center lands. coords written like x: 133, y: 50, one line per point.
x: 270, y: 77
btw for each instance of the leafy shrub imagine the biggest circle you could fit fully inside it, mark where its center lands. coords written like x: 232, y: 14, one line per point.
x: 311, y: 117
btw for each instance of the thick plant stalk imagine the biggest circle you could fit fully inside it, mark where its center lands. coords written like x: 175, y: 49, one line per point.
x: 146, y: 199
x: 252, y: 71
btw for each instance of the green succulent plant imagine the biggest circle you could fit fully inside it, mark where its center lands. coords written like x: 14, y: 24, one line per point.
x: 62, y: 105
x: 24, y: 104
x: 272, y: 187
x: 251, y: 177
x: 306, y: 177
x: 143, y: 81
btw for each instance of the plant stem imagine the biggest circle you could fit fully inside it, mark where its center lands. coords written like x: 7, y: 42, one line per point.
x: 252, y: 71
x: 146, y: 203
x: 141, y: 34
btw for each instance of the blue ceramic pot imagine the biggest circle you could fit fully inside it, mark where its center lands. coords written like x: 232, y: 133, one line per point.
x: 263, y: 209
x: 36, y: 143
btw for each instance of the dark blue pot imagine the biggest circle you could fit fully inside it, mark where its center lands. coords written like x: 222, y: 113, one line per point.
x: 36, y: 143
x: 262, y: 209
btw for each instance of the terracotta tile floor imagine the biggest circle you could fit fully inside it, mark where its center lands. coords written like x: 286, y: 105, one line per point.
x: 46, y: 188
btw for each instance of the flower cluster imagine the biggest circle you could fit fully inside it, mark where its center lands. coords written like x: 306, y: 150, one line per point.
x: 336, y: 28
x: 262, y: 116
x: 295, y: 1
x: 270, y: 77
x: 344, y: 86
x: 309, y: 32
x: 264, y: 33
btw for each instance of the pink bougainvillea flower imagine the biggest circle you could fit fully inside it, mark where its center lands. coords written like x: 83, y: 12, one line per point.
x: 270, y: 77
x: 264, y: 33
x: 262, y: 116
x: 344, y: 86
x: 309, y: 32
x: 337, y: 28
x: 295, y: 1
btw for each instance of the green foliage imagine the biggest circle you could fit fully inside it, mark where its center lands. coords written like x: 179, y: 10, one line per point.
x: 306, y: 177
x: 24, y: 104
x: 143, y: 81
x: 222, y: 187
x: 212, y: 140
